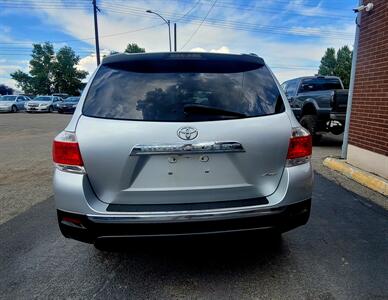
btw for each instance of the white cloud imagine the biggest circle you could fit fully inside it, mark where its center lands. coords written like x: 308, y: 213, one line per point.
x: 222, y: 49
x: 89, y: 63
x: 277, y: 50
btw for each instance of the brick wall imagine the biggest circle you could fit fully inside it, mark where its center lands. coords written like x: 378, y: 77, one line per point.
x: 369, y: 118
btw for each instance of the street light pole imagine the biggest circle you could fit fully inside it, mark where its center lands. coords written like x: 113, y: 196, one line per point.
x: 166, y: 21
x: 169, y: 34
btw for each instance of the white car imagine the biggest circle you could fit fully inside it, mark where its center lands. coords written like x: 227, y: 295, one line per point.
x: 13, y: 103
x: 43, y: 104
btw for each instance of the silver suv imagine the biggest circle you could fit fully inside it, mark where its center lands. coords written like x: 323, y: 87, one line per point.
x: 181, y: 144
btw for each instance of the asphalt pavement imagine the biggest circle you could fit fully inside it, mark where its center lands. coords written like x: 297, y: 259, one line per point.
x: 341, y: 253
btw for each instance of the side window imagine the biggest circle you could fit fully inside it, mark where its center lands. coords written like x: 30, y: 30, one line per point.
x: 291, y: 88
x: 308, y: 85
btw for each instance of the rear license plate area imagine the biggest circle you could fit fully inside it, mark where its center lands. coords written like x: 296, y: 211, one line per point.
x: 187, y: 171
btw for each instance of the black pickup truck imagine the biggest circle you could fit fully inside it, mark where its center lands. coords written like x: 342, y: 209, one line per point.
x: 319, y: 103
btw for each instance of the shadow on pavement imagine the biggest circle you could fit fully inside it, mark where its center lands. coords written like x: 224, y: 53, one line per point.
x: 238, y: 250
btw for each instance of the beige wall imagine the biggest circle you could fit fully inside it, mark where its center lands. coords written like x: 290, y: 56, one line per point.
x: 368, y: 161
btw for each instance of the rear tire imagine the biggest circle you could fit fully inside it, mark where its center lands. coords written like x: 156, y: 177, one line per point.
x: 310, y: 122
x: 14, y: 109
x: 51, y: 109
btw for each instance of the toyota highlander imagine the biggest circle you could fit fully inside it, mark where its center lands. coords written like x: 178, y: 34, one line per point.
x: 168, y: 144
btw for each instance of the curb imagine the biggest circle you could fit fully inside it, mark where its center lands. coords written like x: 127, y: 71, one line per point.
x: 369, y: 180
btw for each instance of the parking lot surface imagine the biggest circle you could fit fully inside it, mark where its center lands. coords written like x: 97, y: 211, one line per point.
x: 25, y: 159
x: 340, y: 254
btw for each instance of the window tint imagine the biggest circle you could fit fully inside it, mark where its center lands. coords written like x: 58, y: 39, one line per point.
x: 319, y: 84
x: 123, y: 94
x: 291, y: 87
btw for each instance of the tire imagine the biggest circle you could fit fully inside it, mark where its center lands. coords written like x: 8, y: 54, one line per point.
x: 310, y: 122
x: 60, y: 111
x: 51, y: 109
x: 14, y: 109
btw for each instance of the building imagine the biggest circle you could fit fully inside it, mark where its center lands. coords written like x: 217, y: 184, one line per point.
x: 368, y: 132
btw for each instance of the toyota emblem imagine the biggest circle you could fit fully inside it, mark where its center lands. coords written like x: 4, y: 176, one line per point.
x: 187, y: 133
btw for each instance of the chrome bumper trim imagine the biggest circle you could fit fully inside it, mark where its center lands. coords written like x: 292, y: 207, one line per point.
x: 181, y: 148
x: 185, y: 216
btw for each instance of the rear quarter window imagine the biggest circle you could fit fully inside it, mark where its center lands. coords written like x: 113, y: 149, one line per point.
x: 118, y: 93
x: 320, y: 84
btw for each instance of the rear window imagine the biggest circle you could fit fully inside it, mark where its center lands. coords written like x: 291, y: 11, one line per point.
x: 320, y: 84
x: 125, y: 93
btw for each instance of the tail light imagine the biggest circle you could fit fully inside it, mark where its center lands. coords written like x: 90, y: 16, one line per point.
x: 66, y: 154
x: 300, y: 147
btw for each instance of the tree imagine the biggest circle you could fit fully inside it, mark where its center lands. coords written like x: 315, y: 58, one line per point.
x: 50, y: 72
x: 5, y: 90
x: 134, y: 48
x: 344, y: 65
x: 328, y: 62
x: 23, y: 81
x: 339, y: 64
x: 67, y: 78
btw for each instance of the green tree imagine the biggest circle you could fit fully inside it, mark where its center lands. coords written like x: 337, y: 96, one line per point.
x: 40, y: 80
x: 67, y: 78
x: 328, y: 62
x: 134, y: 48
x: 50, y: 72
x: 5, y: 90
x: 344, y: 65
x: 337, y: 64
x: 23, y: 81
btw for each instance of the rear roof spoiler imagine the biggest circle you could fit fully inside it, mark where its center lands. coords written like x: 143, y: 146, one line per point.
x: 166, y: 56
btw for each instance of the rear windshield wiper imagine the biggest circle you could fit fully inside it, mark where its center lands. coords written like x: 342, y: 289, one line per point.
x: 210, y: 110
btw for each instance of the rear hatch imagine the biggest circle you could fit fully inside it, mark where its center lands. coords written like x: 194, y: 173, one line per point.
x: 180, y: 130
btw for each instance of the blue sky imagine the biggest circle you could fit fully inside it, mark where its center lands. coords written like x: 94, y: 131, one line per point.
x: 290, y: 35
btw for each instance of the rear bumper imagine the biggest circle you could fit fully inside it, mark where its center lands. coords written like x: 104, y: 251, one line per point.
x: 37, y: 109
x: 89, y: 228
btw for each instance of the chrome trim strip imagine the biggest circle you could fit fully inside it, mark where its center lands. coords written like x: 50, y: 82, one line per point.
x: 185, y: 216
x: 180, y: 148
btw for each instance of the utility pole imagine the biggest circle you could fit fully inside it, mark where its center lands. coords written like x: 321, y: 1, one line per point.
x: 95, y: 9
x: 175, y: 37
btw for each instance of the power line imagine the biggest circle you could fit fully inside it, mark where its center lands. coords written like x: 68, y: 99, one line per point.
x: 211, y: 22
x: 84, y: 39
x: 189, y: 11
x: 199, y: 26
x: 216, y: 22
